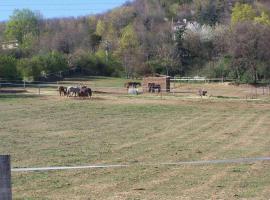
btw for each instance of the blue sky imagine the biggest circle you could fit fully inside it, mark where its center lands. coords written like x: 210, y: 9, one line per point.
x: 58, y: 8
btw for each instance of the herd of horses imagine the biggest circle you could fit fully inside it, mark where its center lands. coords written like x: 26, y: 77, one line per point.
x: 80, y: 91
x: 84, y: 91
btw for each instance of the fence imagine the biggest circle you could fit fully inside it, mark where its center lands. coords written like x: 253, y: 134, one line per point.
x: 200, y: 79
x: 5, y: 178
x: 50, y: 88
x: 5, y: 169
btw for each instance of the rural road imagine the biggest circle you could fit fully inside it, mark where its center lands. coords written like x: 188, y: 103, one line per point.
x: 202, y: 162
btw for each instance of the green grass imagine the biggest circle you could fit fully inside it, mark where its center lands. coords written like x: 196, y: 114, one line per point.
x: 52, y: 131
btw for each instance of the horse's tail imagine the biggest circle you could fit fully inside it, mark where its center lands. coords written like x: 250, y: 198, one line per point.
x: 90, y: 92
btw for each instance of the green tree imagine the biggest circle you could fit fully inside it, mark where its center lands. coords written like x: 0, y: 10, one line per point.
x: 8, y: 67
x: 264, y: 19
x: 100, y: 28
x: 129, y: 46
x: 23, y: 24
x: 53, y: 62
x: 129, y: 39
x: 29, y: 68
x: 242, y: 12
x: 42, y: 65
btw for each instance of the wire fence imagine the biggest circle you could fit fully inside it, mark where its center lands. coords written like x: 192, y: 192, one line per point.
x: 51, y: 88
x: 181, y: 163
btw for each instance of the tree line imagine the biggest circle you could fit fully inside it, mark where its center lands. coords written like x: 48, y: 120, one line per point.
x: 212, y: 38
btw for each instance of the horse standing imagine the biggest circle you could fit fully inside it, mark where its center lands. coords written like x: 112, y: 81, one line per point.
x: 85, y: 92
x: 72, y: 90
x: 152, y: 87
x: 62, y: 90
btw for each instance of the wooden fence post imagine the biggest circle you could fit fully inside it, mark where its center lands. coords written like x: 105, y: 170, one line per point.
x: 5, y: 178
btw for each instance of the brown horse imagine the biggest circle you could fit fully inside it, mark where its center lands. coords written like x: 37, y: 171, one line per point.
x: 152, y: 87
x: 85, y: 92
x: 62, y: 90
x: 132, y: 84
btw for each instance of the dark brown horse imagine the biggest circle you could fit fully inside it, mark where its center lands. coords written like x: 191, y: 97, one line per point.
x: 85, y: 92
x: 62, y: 90
x: 152, y: 87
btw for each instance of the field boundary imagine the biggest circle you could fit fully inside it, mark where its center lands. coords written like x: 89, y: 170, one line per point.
x: 201, y: 162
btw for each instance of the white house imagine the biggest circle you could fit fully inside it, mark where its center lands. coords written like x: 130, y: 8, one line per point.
x: 13, y: 44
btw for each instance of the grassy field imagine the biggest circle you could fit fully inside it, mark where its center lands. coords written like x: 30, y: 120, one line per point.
x: 47, y: 130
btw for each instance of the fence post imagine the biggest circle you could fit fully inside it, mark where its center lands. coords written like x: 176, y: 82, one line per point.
x: 5, y: 178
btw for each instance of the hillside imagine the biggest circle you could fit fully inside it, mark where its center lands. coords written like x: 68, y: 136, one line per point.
x: 144, y: 37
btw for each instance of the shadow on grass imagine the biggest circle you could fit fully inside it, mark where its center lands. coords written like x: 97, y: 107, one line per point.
x: 16, y: 96
x: 225, y: 97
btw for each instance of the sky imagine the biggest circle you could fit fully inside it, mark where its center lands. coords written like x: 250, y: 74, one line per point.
x: 58, y: 8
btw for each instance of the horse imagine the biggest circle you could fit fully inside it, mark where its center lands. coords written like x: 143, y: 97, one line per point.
x: 202, y: 92
x: 132, y: 84
x: 73, y: 90
x: 152, y: 87
x: 62, y: 90
x: 85, y: 92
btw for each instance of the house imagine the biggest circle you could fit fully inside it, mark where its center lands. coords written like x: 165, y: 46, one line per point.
x: 9, y: 45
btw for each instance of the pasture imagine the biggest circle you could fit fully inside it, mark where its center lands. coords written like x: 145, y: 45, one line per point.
x: 115, y: 128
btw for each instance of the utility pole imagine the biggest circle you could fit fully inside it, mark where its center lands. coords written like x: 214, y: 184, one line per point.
x: 5, y: 178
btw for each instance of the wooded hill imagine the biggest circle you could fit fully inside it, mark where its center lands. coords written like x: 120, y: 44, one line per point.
x: 212, y: 38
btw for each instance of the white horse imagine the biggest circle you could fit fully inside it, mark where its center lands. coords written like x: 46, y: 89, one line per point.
x: 73, y: 90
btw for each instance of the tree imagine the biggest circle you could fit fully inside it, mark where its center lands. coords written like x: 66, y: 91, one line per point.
x: 101, y: 28
x: 8, y: 67
x: 245, y: 51
x: 129, y: 46
x: 242, y: 13
x: 42, y: 65
x: 264, y: 19
x: 23, y: 24
x: 165, y: 49
x: 207, y: 12
x: 29, y: 68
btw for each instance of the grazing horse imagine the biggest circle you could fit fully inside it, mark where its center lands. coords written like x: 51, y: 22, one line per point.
x: 85, y: 92
x: 72, y: 90
x: 202, y: 92
x: 62, y: 90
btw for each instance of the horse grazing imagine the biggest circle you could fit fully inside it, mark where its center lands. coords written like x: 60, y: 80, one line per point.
x: 85, y: 92
x: 62, y: 90
x: 73, y: 90
x: 202, y: 92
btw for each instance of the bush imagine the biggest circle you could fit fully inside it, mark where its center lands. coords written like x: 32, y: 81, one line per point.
x: 218, y: 69
x: 8, y: 67
x: 42, y: 65
x: 29, y: 69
